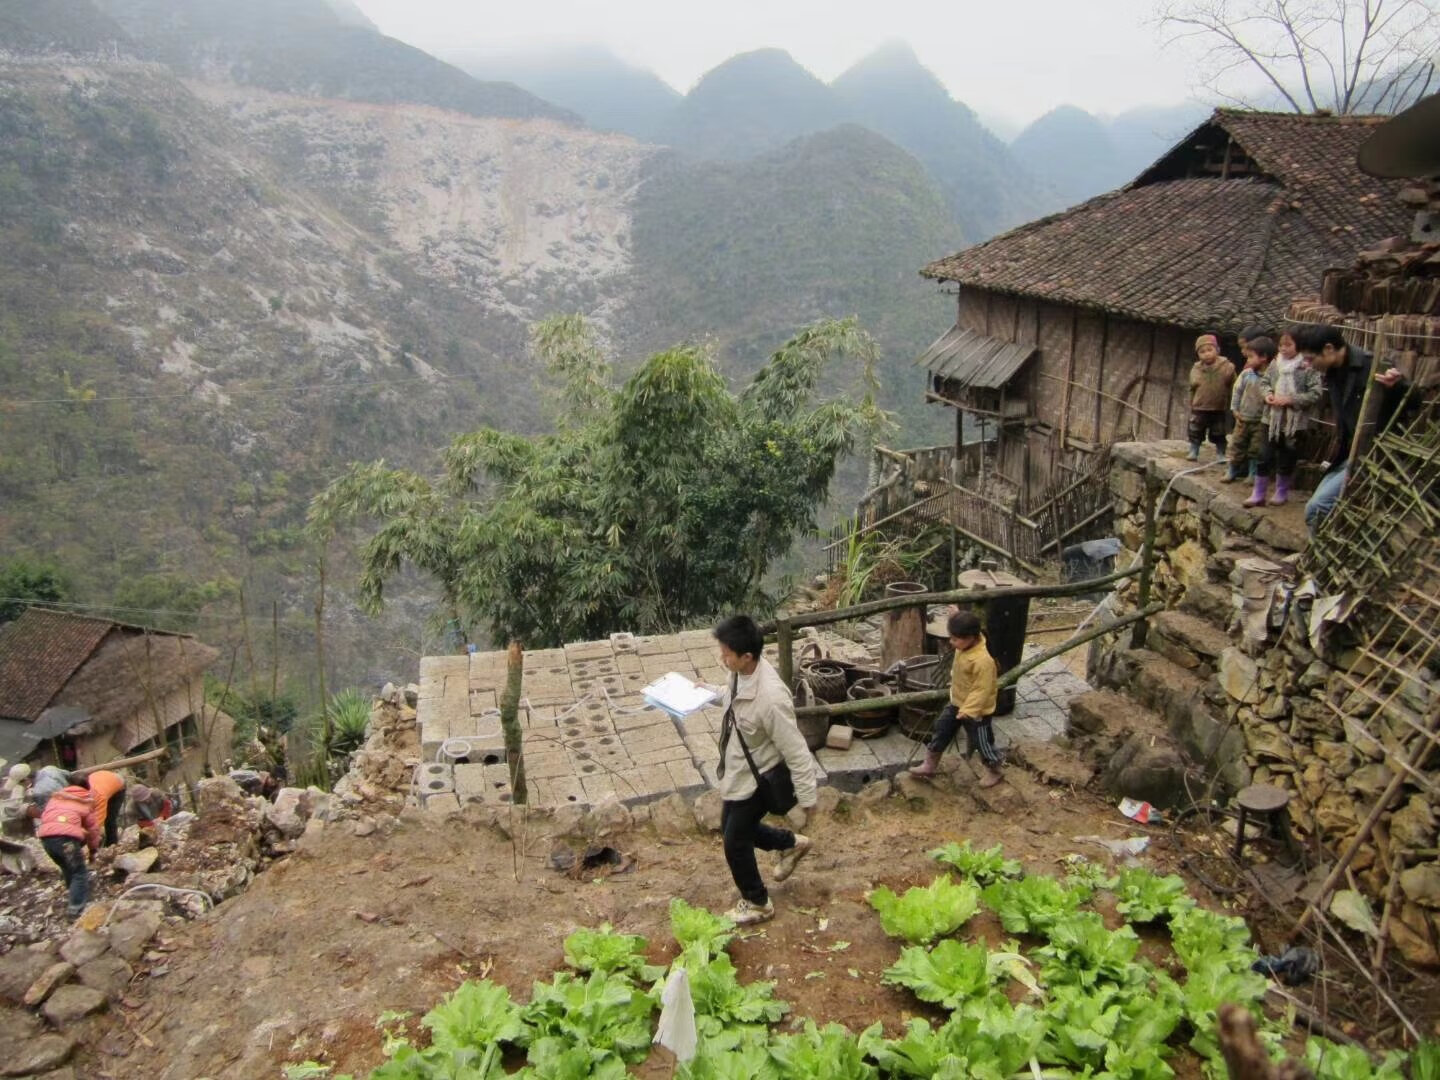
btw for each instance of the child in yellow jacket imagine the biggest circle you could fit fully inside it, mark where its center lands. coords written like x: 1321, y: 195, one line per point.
x: 972, y: 701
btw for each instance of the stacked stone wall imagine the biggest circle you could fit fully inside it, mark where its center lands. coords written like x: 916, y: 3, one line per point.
x: 1293, y: 698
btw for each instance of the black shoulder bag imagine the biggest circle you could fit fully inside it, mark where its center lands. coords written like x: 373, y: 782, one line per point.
x: 776, y: 787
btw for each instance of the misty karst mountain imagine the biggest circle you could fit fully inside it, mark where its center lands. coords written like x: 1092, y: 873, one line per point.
x: 988, y: 191
x: 750, y: 104
x: 312, y: 48
x: 1072, y: 152
x: 593, y: 83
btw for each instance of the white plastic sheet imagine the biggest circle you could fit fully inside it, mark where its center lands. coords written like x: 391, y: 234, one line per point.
x: 676, y: 1029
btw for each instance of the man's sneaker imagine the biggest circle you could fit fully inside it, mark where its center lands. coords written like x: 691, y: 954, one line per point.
x: 786, y: 866
x: 747, y: 914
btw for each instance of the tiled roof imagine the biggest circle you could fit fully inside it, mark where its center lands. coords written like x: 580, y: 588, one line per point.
x: 1197, y: 250
x: 39, y: 652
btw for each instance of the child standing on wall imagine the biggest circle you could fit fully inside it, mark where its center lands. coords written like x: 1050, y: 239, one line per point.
x: 1247, y: 402
x: 1292, y: 387
x: 972, y: 701
x: 1210, y: 381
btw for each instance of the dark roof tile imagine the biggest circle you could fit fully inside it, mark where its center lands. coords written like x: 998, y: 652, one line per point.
x: 1200, y: 251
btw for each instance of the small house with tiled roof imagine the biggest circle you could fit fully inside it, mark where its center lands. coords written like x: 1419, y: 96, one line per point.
x: 1077, y: 330
x: 78, y: 691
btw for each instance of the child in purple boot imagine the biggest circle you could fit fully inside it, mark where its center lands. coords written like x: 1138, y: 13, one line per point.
x: 1293, y: 387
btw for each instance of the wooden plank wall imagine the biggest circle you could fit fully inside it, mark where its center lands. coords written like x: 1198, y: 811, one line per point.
x: 1098, y: 379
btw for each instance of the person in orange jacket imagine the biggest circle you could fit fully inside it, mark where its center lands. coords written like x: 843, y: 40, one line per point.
x: 67, y: 827
x: 108, y: 791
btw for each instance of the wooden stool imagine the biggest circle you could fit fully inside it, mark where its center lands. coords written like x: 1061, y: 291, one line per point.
x: 1268, y: 804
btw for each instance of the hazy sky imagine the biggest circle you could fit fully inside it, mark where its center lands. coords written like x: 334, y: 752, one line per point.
x: 1011, y: 58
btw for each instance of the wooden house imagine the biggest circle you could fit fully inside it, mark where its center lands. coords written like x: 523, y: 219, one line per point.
x: 78, y: 691
x: 1077, y: 330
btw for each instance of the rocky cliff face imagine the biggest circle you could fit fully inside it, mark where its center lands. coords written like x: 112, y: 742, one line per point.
x: 521, y: 215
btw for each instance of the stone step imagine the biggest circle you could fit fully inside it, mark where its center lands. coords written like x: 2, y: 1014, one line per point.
x: 1130, y: 746
x: 1209, y: 600
x: 1180, y: 697
x: 1192, y: 642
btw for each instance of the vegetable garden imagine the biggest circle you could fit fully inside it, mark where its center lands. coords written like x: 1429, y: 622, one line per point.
x: 1070, y: 995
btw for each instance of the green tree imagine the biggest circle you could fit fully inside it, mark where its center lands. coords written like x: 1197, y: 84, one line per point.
x: 654, y: 504
x: 26, y: 581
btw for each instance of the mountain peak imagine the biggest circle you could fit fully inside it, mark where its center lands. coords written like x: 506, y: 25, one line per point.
x: 894, y: 66
x: 751, y: 103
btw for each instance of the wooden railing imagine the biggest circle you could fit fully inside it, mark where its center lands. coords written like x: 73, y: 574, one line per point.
x: 1028, y: 537
x: 783, y: 629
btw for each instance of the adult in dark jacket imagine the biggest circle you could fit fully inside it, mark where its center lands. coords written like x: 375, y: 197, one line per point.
x: 1346, y: 368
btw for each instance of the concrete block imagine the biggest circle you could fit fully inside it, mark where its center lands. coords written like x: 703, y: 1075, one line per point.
x: 481, y: 700
x: 601, y: 786
x: 697, y: 639
x: 433, y: 733
x: 497, y: 785
x: 661, y: 663
x: 858, y: 756
x: 442, y: 804
x: 435, y: 778
x: 839, y: 737
x: 588, y: 650
x: 650, y: 781
x: 702, y: 747
x: 649, y: 740
x: 558, y: 791
x: 548, y: 766
x: 657, y: 645
x: 624, y: 719
x: 661, y: 755
x: 470, y: 783
x: 685, y: 777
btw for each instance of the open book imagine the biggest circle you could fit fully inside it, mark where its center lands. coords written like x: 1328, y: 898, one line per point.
x: 676, y: 694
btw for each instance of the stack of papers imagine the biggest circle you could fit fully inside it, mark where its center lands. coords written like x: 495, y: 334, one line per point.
x: 676, y: 694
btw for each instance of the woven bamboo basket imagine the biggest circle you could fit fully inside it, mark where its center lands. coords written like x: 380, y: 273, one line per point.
x: 813, y: 728
x: 872, y: 723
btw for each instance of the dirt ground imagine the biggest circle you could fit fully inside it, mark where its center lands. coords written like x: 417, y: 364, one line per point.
x: 302, y: 964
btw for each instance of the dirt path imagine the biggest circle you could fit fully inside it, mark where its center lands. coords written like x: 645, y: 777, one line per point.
x: 302, y: 964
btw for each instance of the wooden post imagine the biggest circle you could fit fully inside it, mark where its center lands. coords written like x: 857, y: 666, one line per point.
x: 1370, y: 403
x: 1147, y: 558
x: 510, y: 721
x: 320, y: 661
x: 785, y: 641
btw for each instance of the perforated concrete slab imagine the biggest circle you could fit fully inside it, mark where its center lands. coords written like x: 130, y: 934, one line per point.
x: 587, y: 733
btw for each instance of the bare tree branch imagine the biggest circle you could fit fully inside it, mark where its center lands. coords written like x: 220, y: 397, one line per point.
x: 1342, y: 55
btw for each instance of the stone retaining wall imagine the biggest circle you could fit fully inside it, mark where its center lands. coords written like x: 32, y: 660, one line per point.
x: 1301, y: 724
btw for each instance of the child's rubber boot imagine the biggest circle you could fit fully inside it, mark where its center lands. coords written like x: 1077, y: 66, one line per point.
x: 929, y: 767
x: 1231, y: 474
x: 1257, y: 497
x: 1194, y: 454
x: 1282, y: 491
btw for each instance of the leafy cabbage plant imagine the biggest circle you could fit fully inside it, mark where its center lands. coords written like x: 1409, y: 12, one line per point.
x: 1033, y: 904
x: 953, y: 973
x: 926, y: 912
x: 1143, y: 896
x: 981, y: 867
x: 605, y: 951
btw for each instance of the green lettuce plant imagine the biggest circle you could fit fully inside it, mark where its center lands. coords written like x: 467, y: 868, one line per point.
x: 981, y: 867
x: 926, y: 912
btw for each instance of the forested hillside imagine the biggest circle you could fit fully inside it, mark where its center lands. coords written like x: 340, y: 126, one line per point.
x: 214, y: 297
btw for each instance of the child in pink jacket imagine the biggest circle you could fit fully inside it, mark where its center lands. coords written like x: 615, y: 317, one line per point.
x: 68, y: 825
